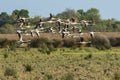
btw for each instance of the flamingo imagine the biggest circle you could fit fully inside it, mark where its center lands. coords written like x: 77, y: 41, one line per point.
x: 20, y: 35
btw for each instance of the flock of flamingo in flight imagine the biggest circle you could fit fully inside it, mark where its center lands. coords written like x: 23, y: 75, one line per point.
x: 61, y: 27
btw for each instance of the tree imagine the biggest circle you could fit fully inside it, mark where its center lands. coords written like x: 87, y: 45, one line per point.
x: 3, y: 18
x: 7, y: 29
x: 81, y: 13
x: 22, y: 13
x: 35, y: 20
x: 93, y: 15
x: 68, y: 13
x: 15, y: 12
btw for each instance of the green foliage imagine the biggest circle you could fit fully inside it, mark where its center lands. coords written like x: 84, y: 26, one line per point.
x: 93, y: 14
x: 51, y: 47
x: 35, y: 20
x: 81, y: 13
x: 89, y: 56
x: 44, y: 49
x: 7, y: 29
x: 3, y: 18
x: 70, y: 65
x: 67, y: 14
x: 5, y: 55
x: 10, y: 72
x: 101, y: 42
x: 47, y: 49
x: 22, y: 13
x: 12, y: 45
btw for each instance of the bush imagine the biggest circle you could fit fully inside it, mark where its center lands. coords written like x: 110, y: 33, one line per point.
x: 11, y: 44
x: 47, y: 49
x: 38, y: 42
x: 44, y: 48
x: 89, y: 56
x: 5, y: 55
x: 10, y: 72
x: 115, y: 42
x: 57, y: 43
x: 4, y: 43
x: 28, y: 68
x: 68, y: 43
x: 101, y: 42
x: 116, y: 76
x: 51, y: 47
x: 48, y: 77
x: 68, y: 76
x: 7, y: 29
x: 43, y: 44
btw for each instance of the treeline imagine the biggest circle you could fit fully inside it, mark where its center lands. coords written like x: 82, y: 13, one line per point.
x: 93, y: 15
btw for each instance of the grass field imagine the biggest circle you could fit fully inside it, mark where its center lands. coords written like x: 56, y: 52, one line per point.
x: 61, y: 64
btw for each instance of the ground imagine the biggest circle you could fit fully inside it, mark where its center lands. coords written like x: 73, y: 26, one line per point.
x: 61, y: 64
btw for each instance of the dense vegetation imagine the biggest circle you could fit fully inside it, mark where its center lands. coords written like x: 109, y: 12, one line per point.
x: 90, y: 15
x: 100, y: 41
x: 49, y: 58
x: 61, y: 64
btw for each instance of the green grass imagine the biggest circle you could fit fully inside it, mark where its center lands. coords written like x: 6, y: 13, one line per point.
x: 77, y: 63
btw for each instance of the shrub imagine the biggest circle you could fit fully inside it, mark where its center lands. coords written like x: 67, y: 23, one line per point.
x: 44, y: 48
x: 11, y: 44
x: 43, y: 44
x: 4, y: 43
x: 68, y: 43
x: 57, y: 43
x: 48, y: 77
x: 115, y: 42
x: 47, y: 49
x: 68, y: 76
x: 89, y: 56
x: 116, y: 76
x: 51, y: 48
x: 10, y: 72
x: 28, y: 68
x: 38, y: 42
x: 7, y: 28
x: 101, y: 42
x: 5, y: 55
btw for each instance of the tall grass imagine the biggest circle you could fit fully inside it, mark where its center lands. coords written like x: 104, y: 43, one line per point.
x: 10, y: 72
x: 72, y: 64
